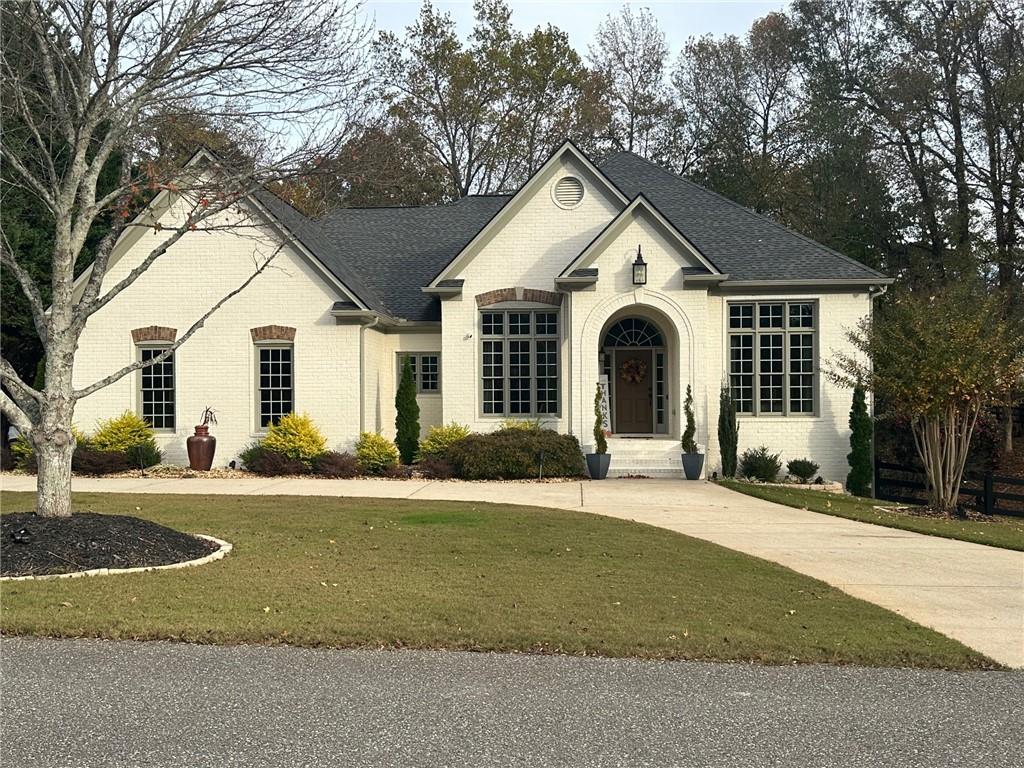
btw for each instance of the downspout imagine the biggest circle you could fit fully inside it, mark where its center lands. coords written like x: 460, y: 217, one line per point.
x: 568, y: 324
x: 362, y: 371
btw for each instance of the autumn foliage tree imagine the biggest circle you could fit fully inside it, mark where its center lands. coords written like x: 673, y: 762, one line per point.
x: 938, y: 358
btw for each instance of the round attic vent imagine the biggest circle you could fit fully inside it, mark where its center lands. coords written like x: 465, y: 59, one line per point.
x: 568, y: 192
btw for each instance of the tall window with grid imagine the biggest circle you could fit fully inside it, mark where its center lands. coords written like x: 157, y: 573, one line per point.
x: 772, y: 357
x: 275, y: 383
x: 519, y: 362
x: 157, y: 389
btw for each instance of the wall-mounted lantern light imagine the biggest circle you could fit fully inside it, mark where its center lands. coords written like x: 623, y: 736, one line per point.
x: 639, y: 269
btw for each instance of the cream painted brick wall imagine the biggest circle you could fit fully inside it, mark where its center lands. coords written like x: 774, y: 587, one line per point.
x: 824, y: 437
x: 681, y: 314
x: 216, y: 366
x: 388, y: 346
x: 530, y: 251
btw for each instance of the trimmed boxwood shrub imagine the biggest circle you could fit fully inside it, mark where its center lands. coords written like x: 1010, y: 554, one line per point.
x: 334, y: 464
x: 514, y: 454
x: 758, y: 464
x: 375, y: 453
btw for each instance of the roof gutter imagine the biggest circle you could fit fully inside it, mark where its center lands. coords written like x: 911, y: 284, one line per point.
x: 866, y: 282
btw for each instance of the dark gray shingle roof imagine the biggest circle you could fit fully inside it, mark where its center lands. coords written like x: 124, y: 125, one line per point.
x: 398, y: 251
x: 387, y: 255
x: 741, y: 243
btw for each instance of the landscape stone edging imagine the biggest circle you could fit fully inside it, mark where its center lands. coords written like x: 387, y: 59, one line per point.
x: 224, y: 548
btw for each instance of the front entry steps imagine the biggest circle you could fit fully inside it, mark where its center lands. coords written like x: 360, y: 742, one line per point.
x: 657, y: 456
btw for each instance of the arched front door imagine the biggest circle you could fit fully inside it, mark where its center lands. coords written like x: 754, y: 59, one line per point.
x: 633, y: 358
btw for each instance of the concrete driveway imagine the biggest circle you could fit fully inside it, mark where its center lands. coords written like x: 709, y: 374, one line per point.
x: 96, y: 704
x: 970, y: 592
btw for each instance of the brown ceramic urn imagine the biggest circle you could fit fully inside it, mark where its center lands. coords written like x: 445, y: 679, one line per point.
x: 201, y: 447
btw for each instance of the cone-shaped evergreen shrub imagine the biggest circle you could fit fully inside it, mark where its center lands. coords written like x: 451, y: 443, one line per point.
x: 407, y: 415
x: 858, y: 482
x: 728, y: 432
x: 688, y: 443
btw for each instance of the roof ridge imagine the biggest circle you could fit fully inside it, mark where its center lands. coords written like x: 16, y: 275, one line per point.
x: 446, y: 204
x: 749, y: 211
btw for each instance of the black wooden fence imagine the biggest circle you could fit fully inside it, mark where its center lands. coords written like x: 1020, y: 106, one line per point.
x: 896, y: 482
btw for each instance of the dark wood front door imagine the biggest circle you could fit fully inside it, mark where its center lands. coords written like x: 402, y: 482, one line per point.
x: 634, y: 400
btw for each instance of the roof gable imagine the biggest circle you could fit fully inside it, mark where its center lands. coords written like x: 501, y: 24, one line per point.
x: 639, y: 207
x: 569, y: 151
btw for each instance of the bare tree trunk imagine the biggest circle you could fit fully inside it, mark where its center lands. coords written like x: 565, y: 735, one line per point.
x: 1008, y: 430
x: 53, y: 449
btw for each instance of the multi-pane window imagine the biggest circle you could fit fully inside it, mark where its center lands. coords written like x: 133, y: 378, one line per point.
x: 157, y: 389
x: 519, y: 362
x: 275, y: 383
x: 426, y: 370
x: 772, y: 356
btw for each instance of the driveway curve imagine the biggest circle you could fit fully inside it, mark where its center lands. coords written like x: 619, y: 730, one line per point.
x: 970, y: 592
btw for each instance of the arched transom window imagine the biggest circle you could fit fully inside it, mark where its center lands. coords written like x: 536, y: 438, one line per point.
x: 633, y: 332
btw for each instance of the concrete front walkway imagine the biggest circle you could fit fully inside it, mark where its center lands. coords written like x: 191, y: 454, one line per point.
x: 970, y: 592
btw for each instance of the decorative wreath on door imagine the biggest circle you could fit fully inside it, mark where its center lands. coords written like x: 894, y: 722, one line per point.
x: 633, y: 371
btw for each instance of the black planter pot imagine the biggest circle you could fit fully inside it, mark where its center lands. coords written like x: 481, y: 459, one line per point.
x: 693, y: 463
x: 597, y: 465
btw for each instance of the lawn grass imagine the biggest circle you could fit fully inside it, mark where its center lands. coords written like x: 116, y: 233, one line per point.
x: 1005, y: 532
x: 390, y: 573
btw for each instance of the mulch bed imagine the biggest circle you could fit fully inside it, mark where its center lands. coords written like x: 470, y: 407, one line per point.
x: 36, y: 546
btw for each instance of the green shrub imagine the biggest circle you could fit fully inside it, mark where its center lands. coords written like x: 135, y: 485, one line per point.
x: 758, y: 464
x: 804, y: 469
x: 261, y: 460
x: 23, y: 452
x: 440, y: 439
x: 728, y: 432
x: 297, y: 437
x: 600, y: 441
x: 511, y: 454
x: 375, y: 453
x: 407, y: 415
x: 128, y: 434
x: 688, y: 444
x: 858, y: 482
x: 334, y: 464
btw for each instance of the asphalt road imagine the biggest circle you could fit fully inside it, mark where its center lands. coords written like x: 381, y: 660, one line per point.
x: 95, y: 703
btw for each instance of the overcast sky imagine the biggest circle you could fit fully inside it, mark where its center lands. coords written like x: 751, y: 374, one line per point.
x: 679, y: 19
